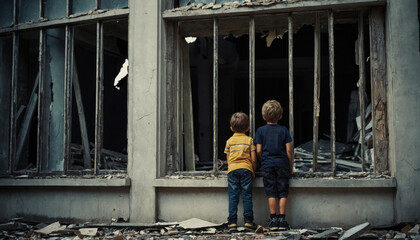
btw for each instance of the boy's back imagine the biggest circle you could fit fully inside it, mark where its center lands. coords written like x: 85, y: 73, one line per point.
x: 273, y: 139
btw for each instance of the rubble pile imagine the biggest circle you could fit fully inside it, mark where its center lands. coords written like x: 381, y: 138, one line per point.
x: 191, y: 229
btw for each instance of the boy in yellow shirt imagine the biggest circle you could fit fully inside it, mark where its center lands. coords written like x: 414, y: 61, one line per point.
x: 241, y: 157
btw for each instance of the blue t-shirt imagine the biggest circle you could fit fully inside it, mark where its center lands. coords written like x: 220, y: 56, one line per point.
x: 273, y: 138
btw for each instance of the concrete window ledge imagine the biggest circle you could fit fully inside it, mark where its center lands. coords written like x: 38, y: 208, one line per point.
x: 66, y: 182
x: 294, y: 183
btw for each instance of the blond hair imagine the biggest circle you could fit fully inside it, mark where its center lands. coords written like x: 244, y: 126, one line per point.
x: 239, y: 122
x: 272, y: 111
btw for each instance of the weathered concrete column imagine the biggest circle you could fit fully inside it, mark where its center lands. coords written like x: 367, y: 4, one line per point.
x: 403, y: 61
x: 142, y: 108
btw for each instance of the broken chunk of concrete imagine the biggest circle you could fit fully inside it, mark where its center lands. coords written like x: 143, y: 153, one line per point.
x: 195, y: 223
x: 91, y: 232
x: 324, y: 234
x: 354, y: 232
x: 53, y: 227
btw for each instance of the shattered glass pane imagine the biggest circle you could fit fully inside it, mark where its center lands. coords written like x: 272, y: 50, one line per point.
x: 113, y: 4
x: 83, y: 6
x: 28, y: 11
x: 27, y: 102
x: 84, y: 97
x: 6, y: 55
x: 115, y: 95
x: 54, y: 98
x: 55, y: 9
x: 6, y: 13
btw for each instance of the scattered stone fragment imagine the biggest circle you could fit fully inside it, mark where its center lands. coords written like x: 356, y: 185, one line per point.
x: 354, y: 232
x: 325, y: 234
x: 399, y: 235
x: 217, y: 6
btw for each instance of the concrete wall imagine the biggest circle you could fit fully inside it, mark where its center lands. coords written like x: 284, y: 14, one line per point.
x: 307, y: 207
x: 403, y: 64
x: 71, y: 204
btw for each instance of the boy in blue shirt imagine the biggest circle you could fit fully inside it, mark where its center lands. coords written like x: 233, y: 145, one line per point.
x: 274, y: 150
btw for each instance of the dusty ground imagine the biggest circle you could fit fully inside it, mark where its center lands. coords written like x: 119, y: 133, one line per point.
x: 191, y: 229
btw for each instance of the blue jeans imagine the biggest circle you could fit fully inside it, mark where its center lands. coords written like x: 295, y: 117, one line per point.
x: 240, y: 180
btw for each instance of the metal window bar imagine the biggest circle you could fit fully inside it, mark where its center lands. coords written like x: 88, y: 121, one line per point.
x: 317, y: 86
x: 361, y: 85
x: 13, y: 102
x: 99, y: 96
x: 252, y: 76
x: 68, y: 77
x: 291, y: 100
x: 215, y: 91
x: 332, y: 86
x: 179, y: 109
x: 41, y: 109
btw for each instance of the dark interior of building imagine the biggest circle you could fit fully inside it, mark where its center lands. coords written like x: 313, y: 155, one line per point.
x: 271, y: 82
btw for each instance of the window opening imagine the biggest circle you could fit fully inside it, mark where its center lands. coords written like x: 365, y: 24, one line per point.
x: 28, y: 11
x: 83, y: 6
x: 27, y: 102
x: 6, y: 57
x: 113, y: 4
x: 114, y: 155
x: 54, y: 9
x: 6, y: 13
x: 273, y: 81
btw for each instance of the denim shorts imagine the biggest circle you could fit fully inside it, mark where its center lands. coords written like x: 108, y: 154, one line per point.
x: 276, y: 181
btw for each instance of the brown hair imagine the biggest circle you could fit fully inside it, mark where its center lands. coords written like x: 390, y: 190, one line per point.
x: 272, y: 111
x: 239, y: 122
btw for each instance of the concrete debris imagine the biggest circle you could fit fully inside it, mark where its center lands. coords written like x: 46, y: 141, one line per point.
x: 174, y: 230
x: 355, y: 232
x: 228, y: 5
x: 195, y: 223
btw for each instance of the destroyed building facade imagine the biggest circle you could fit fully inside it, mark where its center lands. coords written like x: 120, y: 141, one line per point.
x: 82, y: 140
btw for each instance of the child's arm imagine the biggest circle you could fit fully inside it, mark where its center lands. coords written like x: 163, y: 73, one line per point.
x: 259, y: 151
x: 289, y: 152
x: 254, y: 160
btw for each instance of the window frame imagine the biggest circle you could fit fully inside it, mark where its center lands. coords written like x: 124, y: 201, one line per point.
x: 376, y: 18
x: 99, y: 17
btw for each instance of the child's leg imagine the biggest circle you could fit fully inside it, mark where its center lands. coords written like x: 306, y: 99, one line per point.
x: 272, y: 205
x: 233, y: 190
x: 246, y: 187
x: 282, y: 205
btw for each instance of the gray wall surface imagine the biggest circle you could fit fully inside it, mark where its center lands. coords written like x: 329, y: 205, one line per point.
x: 97, y: 204
x: 403, y: 64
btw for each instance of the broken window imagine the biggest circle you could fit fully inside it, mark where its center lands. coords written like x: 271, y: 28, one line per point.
x: 316, y: 65
x: 6, y: 13
x: 62, y: 76
x: 54, y: 9
x: 6, y: 57
x: 26, y: 152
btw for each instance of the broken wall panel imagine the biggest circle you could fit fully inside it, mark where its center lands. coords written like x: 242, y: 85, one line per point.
x: 6, y: 56
x: 27, y: 101
x: 113, y: 4
x: 6, y: 13
x: 53, y: 101
x: 28, y: 11
x: 115, y: 99
x: 54, y: 9
x: 83, y: 6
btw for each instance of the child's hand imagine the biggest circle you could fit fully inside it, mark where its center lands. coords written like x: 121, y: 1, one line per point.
x: 222, y: 164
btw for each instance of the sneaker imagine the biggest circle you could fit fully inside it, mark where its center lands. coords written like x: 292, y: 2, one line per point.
x: 283, y: 224
x: 273, y: 224
x: 232, y: 227
x: 251, y: 226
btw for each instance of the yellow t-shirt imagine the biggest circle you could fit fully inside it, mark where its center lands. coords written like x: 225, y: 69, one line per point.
x: 239, y: 147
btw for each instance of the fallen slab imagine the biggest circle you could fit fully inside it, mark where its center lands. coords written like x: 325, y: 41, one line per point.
x: 355, y: 232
